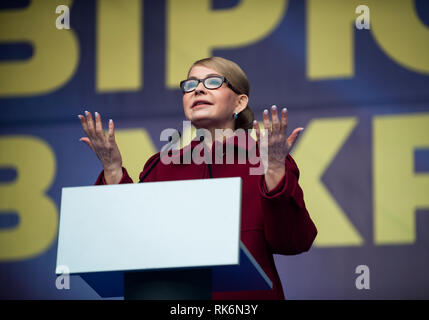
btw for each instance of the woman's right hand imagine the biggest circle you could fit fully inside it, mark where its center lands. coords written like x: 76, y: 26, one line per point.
x: 105, y: 148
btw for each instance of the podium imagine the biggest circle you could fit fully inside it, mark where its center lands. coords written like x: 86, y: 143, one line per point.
x: 157, y: 240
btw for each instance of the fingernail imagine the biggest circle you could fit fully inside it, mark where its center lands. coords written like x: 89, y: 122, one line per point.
x: 265, y: 111
x: 284, y: 110
x: 96, y: 114
x: 274, y: 107
x: 79, y: 116
x: 255, y: 122
x: 110, y: 121
x: 86, y: 113
x: 301, y: 130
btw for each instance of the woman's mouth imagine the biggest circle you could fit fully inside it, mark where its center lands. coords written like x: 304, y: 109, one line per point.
x: 200, y: 103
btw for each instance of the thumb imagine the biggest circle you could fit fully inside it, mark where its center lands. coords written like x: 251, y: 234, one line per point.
x: 88, y: 143
x: 294, y: 136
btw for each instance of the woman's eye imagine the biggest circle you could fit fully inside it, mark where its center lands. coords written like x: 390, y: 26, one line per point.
x: 213, y: 81
x: 190, y: 84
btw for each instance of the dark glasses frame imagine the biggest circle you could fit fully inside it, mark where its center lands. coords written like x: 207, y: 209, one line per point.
x: 182, y: 84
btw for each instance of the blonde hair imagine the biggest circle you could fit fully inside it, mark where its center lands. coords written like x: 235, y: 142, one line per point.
x: 238, y: 80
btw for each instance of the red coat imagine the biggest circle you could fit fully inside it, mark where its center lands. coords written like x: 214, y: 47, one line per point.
x: 275, y: 222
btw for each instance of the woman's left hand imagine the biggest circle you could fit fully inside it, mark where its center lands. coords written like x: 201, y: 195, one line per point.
x: 279, y: 145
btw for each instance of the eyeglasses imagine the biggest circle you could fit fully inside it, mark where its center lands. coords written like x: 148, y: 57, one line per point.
x: 212, y: 82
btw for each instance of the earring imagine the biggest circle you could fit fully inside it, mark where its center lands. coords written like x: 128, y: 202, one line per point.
x: 235, y: 115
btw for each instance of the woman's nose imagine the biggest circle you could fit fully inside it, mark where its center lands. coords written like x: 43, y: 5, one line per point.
x: 200, y: 88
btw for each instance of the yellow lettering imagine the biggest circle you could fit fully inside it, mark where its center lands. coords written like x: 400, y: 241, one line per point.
x: 194, y: 30
x: 313, y: 155
x: 398, y: 191
x: 56, y: 51
x: 331, y: 28
x: 136, y: 148
x: 330, y: 45
x: 400, y: 33
x: 35, y: 164
x: 119, y: 45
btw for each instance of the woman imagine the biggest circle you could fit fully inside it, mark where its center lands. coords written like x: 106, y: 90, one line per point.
x: 274, y: 217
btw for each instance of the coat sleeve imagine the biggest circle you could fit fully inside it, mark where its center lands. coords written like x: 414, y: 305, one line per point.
x: 125, y: 178
x: 288, y: 227
x: 149, y: 172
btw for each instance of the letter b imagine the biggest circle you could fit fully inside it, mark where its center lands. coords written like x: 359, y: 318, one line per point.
x: 26, y: 196
x: 55, y: 56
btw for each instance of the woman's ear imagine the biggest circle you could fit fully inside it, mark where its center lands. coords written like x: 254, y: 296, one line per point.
x: 243, y: 100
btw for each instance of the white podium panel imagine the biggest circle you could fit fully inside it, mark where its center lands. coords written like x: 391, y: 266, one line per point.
x: 152, y: 225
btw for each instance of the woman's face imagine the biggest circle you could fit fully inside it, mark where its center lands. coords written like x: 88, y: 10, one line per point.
x: 215, y: 108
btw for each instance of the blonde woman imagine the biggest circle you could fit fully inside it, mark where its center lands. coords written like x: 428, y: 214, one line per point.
x: 274, y: 217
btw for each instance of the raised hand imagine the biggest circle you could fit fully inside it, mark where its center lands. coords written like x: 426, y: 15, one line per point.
x: 279, y: 144
x: 104, y: 147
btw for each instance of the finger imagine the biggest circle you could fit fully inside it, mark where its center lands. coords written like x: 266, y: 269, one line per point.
x: 294, y: 135
x: 284, y: 121
x: 275, y: 119
x: 90, y: 123
x: 99, y: 125
x: 83, y: 123
x: 111, y: 130
x: 88, y: 142
x: 257, y: 130
x: 267, y: 123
